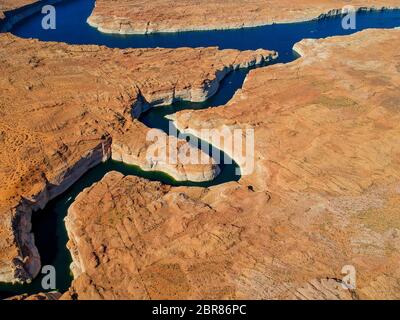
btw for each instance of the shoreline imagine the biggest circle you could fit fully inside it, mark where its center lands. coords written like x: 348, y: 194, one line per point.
x: 329, y: 14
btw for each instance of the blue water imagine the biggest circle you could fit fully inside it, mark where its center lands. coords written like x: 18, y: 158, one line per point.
x: 48, y: 224
x: 72, y: 28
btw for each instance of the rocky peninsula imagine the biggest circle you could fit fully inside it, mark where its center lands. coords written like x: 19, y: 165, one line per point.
x: 325, y: 193
x: 144, y: 17
x: 64, y: 109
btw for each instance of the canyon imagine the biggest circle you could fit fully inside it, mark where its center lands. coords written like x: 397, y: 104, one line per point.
x: 325, y: 189
x: 8, y: 5
x: 49, y: 140
x: 324, y: 193
x: 139, y: 17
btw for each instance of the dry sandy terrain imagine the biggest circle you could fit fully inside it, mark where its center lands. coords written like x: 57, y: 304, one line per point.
x: 137, y: 16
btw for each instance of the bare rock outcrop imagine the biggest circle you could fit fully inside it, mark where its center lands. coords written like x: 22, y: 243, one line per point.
x: 144, y: 17
x: 61, y: 107
x: 323, y: 198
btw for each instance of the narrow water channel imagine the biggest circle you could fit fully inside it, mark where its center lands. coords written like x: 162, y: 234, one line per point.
x: 48, y: 224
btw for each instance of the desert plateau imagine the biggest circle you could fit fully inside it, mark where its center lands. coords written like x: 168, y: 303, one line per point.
x: 199, y: 150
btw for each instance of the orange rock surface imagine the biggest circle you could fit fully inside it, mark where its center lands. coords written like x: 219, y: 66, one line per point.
x: 63, y: 107
x: 7, y: 5
x: 135, y: 16
x: 324, y: 195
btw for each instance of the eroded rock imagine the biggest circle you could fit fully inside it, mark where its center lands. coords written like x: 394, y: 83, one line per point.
x: 39, y: 296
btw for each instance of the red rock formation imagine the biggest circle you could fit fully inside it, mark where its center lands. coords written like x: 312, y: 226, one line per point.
x: 134, y: 16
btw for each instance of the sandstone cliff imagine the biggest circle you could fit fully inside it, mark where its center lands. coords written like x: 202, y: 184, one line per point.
x: 142, y: 17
